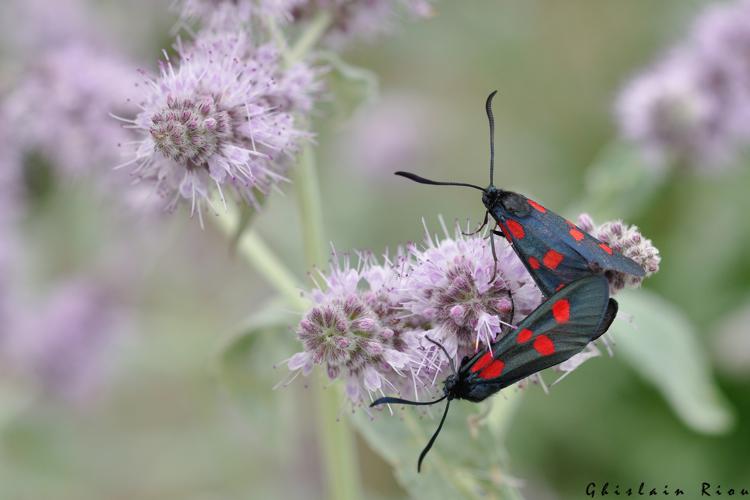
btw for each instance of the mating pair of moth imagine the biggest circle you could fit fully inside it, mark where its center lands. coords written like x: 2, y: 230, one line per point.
x: 567, y: 264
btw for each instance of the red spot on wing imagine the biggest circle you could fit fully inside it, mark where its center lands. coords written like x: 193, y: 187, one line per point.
x: 515, y: 228
x: 537, y: 206
x: 506, y: 232
x: 524, y: 336
x: 483, y: 361
x: 576, y: 234
x: 492, y: 371
x: 544, y: 345
x: 560, y: 287
x: 605, y: 247
x: 533, y: 263
x: 561, y: 310
x: 552, y: 259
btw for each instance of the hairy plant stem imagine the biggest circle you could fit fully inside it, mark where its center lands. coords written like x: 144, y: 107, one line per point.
x: 312, y: 35
x: 256, y: 252
x: 335, y: 437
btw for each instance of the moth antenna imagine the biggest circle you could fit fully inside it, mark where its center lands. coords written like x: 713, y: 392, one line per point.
x: 399, y: 401
x: 491, y: 118
x: 445, y: 351
x: 422, y: 180
x: 433, y: 438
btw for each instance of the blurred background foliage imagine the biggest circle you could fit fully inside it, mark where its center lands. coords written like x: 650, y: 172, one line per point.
x: 181, y: 417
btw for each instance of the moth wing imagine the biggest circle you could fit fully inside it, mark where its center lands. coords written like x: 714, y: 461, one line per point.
x: 554, y: 332
x: 584, y: 244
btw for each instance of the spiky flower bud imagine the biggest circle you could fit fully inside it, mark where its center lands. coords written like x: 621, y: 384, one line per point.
x: 453, y: 285
x: 214, y: 122
x: 356, y: 334
x: 630, y: 242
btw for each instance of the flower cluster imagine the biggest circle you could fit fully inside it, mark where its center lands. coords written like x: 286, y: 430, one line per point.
x: 349, y: 19
x: 628, y: 241
x: 373, y: 324
x: 220, y: 118
x: 693, y: 106
x: 61, y: 107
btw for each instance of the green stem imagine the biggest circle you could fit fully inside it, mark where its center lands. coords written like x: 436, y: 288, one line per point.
x: 254, y: 249
x: 335, y: 436
x: 312, y: 35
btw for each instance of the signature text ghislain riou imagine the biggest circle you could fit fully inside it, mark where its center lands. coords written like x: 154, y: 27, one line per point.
x: 705, y: 489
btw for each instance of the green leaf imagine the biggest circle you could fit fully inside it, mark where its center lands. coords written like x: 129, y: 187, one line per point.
x: 243, y: 364
x: 468, y: 459
x: 353, y: 86
x: 663, y: 346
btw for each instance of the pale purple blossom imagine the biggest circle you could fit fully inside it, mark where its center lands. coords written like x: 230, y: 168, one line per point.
x: 62, y: 345
x: 217, y: 120
x: 233, y: 14
x: 692, y: 107
x: 370, y: 322
x: 216, y: 13
x: 30, y: 26
x: 373, y: 324
x: 360, y: 19
x: 629, y: 241
x: 60, y: 107
x: 451, y: 285
x: 356, y: 331
x: 390, y: 135
x: 11, y: 183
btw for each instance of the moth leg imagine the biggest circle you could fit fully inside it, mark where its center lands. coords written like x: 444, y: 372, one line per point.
x: 512, y: 312
x: 484, y: 223
x: 498, y: 232
x: 494, y: 253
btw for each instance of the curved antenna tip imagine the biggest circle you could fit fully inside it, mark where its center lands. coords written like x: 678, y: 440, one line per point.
x: 491, y: 120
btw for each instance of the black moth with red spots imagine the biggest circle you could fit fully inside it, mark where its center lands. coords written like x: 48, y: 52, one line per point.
x: 567, y: 264
x: 555, y: 251
x: 554, y: 332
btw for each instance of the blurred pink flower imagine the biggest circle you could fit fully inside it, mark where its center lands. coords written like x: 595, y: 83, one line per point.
x: 30, y: 26
x: 360, y: 19
x: 389, y: 135
x: 61, y: 105
x: 62, y: 346
x: 351, y: 19
x: 692, y: 107
x: 216, y: 13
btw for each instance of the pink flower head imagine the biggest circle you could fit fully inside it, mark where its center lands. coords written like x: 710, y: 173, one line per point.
x: 630, y: 242
x: 213, y: 123
x: 356, y: 331
x: 451, y: 285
